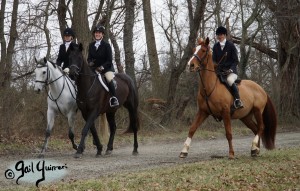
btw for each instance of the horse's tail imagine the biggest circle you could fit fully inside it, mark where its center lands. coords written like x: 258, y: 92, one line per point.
x: 132, y: 104
x: 270, y: 122
x: 104, y: 132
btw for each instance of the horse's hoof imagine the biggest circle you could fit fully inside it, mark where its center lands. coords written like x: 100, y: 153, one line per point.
x: 183, y: 155
x: 108, y: 152
x: 231, y: 157
x: 135, y: 153
x: 75, y: 147
x: 41, y: 156
x: 78, y: 155
x: 255, y: 153
x: 98, y: 155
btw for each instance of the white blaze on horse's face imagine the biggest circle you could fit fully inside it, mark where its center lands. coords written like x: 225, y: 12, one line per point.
x: 190, y: 64
x: 40, y: 78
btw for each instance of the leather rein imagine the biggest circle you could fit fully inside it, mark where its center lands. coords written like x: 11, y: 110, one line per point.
x: 206, y: 94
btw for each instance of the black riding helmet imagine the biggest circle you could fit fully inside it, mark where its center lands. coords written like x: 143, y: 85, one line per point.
x: 221, y: 30
x: 99, y: 29
x: 69, y: 32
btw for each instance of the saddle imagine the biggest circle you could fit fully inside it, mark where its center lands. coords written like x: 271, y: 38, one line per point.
x: 222, y: 78
x: 103, y: 81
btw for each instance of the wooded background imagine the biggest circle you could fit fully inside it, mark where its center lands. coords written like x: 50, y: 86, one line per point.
x: 152, y: 42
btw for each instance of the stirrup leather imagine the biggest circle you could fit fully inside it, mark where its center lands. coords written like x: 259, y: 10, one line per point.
x: 116, y: 102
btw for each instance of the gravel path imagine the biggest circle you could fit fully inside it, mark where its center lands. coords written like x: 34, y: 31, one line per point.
x: 150, y: 156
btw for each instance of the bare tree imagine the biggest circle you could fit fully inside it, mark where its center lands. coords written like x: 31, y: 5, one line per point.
x: 195, y: 16
x: 128, y: 38
x: 7, y: 52
x: 81, y: 24
x: 151, y: 47
x: 288, y: 28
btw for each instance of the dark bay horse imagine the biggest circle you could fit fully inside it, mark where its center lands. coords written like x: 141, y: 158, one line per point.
x: 93, y: 99
x: 214, y: 99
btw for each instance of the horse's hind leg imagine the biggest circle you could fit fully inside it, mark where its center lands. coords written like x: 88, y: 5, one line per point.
x: 71, y: 122
x: 200, y: 117
x: 112, y: 127
x: 50, y: 123
x: 250, y: 123
x: 260, y: 128
x: 133, y: 124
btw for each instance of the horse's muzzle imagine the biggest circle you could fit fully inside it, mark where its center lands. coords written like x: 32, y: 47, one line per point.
x: 192, y: 67
x: 38, y: 90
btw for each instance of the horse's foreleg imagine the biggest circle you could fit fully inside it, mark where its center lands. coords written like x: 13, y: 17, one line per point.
x: 200, y: 117
x: 71, y: 122
x: 112, y: 127
x: 89, y: 118
x: 50, y: 123
x: 260, y: 127
x: 96, y: 140
x: 227, y: 124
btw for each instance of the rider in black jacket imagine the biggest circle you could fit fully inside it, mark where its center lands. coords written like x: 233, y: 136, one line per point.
x: 226, y: 58
x: 63, y: 54
x: 100, y: 57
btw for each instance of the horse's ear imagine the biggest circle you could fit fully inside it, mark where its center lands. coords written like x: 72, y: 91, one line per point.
x: 45, y: 60
x: 80, y: 47
x: 36, y: 61
x: 54, y: 65
x: 207, y: 41
x: 199, y: 40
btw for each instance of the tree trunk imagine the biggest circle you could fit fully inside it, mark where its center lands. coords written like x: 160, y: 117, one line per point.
x: 151, y: 47
x: 128, y: 38
x: 81, y: 24
x: 288, y: 27
x: 62, y: 14
x: 194, y: 21
x: 6, y: 61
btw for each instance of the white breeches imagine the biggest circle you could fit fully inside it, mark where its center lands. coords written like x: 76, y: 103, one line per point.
x: 231, y: 78
x: 109, y: 76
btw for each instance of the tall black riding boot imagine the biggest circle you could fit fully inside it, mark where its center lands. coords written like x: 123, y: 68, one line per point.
x: 237, y: 102
x: 113, y: 101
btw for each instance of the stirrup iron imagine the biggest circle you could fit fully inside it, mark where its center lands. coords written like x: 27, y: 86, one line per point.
x: 116, y: 102
x: 237, y: 106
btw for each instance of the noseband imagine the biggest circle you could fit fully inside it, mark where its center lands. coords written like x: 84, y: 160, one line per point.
x: 77, y: 69
x: 201, y: 60
x: 48, y: 73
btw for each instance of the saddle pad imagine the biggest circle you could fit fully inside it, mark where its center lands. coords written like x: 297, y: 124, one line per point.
x: 102, y: 82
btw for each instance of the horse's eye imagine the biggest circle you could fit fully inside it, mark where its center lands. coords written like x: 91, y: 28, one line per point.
x: 44, y: 72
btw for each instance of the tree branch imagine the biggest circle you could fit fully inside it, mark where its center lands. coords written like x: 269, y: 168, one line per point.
x: 262, y: 48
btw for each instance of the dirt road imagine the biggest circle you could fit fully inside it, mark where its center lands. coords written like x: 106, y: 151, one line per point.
x: 150, y: 156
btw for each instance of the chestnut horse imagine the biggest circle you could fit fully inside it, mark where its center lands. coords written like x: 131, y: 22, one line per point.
x: 258, y: 113
x: 93, y: 100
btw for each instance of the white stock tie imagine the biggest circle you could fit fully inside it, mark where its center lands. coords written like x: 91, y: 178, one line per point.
x: 97, y: 44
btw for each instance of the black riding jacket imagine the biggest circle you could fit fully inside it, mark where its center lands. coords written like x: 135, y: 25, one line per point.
x: 228, y: 56
x: 63, y: 55
x: 101, y: 56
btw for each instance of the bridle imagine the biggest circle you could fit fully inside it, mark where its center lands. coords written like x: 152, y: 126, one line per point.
x: 48, y: 83
x: 201, y: 68
x: 48, y: 75
x: 78, y: 73
x: 201, y: 60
